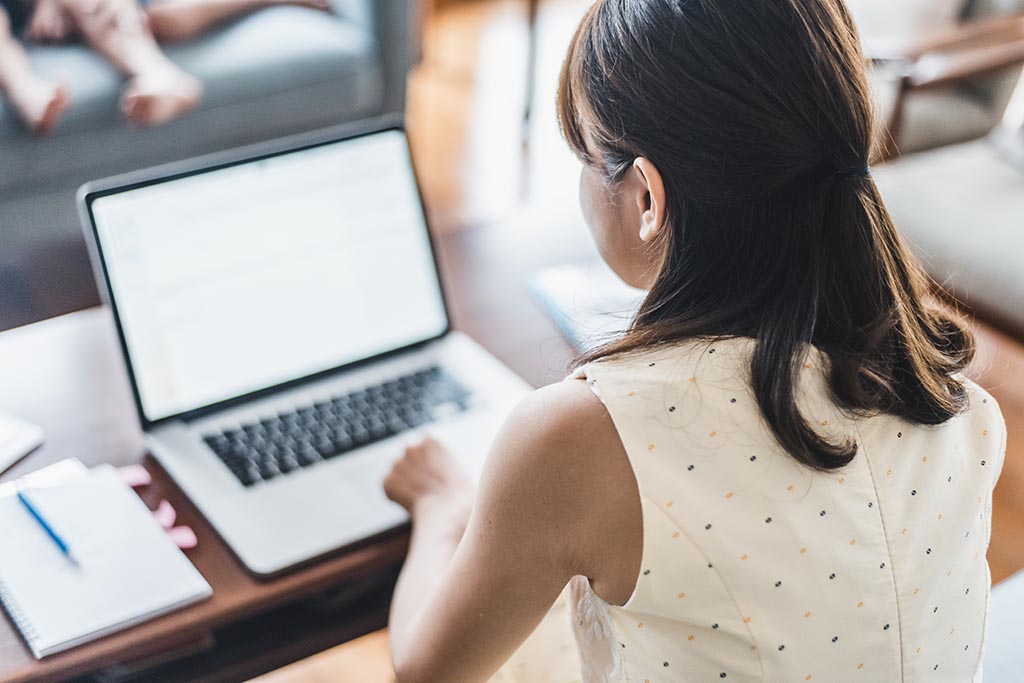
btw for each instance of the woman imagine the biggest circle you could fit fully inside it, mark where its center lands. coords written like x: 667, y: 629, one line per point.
x: 780, y: 472
x: 125, y: 32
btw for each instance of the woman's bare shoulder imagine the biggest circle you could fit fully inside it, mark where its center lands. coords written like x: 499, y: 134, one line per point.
x: 558, y: 457
x: 566, y: 417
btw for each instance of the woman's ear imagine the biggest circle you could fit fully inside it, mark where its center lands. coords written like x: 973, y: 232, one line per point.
x: 651, y: 199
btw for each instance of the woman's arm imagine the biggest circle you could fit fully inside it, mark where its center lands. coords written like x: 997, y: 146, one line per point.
x: 550, y: 506
x: 426, y: 482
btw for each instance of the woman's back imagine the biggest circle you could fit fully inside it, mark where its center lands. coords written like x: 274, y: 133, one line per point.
x: 756, y: 567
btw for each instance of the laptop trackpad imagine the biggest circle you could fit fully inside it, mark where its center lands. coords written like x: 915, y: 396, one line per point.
x: 467, y: 437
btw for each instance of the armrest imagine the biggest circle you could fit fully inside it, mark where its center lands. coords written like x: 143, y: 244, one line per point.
x: 396, y: 25
x: 935, y: 70
x: 970, y: 34
x: 974, y: 50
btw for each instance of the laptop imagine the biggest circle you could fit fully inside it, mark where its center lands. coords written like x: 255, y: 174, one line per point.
x: 285, y: 333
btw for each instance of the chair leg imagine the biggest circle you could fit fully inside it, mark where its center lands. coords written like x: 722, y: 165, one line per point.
x: 532, y: 9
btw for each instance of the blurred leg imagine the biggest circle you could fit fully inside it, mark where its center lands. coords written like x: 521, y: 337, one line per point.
x: 158, y: 90
x: 49, y: 23
x: 39, y: 102
x: 181, y: 20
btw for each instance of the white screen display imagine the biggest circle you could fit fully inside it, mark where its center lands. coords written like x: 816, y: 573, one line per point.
x: 246, y: 277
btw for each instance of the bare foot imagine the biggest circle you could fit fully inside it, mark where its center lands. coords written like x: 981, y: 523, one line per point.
x: 50, y: 23
x: 40, y: 105
x: 154, y: 98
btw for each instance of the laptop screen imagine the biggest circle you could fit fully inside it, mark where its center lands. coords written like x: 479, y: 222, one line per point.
x: 239, y: 279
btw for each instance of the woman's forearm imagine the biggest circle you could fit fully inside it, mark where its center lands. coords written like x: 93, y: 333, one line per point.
x: 435, y: 536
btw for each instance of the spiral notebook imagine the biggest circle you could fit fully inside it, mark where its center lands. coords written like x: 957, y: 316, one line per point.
x: 129, y: 570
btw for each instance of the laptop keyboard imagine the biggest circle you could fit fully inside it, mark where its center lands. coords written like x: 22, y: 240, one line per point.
x: 286, y: 442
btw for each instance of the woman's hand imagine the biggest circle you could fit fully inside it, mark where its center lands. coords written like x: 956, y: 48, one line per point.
x: 550, y: 506
x: 426, y: 480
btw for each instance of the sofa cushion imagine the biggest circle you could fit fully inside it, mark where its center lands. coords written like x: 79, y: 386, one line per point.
x: 962, y: 210
x: 278, y: 51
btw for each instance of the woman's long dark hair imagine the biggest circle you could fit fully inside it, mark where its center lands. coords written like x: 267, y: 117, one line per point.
x: 758, y: 115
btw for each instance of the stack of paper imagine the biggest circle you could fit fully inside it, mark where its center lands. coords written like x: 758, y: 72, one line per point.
x: 17, y: 439
x: 588, y: 303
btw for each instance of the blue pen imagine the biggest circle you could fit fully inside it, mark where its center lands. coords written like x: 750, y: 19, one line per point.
x: 38, y: 516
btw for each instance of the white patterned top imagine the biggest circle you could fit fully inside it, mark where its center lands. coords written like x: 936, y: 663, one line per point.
x: 756, y: 568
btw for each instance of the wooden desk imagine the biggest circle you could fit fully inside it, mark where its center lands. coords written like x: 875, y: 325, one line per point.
x: 66, y: 375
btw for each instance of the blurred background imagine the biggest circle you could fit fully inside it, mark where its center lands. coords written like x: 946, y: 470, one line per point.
x: 480, y: 109
x: 476, y: 81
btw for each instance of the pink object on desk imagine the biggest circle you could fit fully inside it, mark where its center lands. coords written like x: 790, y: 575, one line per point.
x: 184, y: 537
x: 135, y: 476
x: 165, y: 515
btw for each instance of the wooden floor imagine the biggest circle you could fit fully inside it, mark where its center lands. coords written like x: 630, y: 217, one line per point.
x: 365, y: 660
x: 465, y: 121
x: 466, y: 104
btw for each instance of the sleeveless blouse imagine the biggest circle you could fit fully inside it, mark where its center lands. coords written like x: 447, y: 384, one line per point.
x: 757, y: 568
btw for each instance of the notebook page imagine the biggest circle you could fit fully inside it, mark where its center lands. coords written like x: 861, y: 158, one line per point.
x: 52, y: 475
x: 129, y: 569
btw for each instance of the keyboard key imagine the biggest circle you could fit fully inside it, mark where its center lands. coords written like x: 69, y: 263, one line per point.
x: 288, y: 463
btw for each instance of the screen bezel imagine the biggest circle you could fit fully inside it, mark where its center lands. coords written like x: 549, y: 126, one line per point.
x: 93, y: 191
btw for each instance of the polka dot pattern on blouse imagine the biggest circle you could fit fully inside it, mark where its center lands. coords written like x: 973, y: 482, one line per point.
x: 756, y: 568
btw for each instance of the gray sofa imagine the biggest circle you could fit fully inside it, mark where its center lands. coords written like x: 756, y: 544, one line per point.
x: 281, y: 71
x: 962, y: 209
